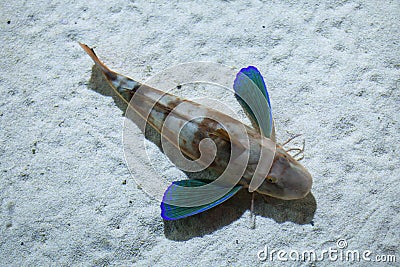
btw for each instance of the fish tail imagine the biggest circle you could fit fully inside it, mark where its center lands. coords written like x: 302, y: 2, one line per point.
x: 96, y: 60
x: 120, y: 83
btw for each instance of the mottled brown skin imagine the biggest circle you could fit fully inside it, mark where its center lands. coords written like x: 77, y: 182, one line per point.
x: 287, y: 178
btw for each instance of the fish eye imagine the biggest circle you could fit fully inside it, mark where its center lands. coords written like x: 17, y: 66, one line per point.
x: 283, y: 159
x: 271, y: 179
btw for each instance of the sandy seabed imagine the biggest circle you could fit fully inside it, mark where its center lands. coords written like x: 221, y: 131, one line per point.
x: 67, y: 195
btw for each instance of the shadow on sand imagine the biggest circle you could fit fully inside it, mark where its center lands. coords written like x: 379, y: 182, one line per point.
x: 298, y: 211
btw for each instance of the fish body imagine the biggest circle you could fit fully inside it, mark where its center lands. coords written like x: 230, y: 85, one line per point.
x: 268, y: 169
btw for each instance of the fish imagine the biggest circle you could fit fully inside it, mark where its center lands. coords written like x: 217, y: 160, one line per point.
x: 240, y: 155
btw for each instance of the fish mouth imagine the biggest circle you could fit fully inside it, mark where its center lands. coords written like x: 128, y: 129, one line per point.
x: 271, y: 190
x: 285, y: 195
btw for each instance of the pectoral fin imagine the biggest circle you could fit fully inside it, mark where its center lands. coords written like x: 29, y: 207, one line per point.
x: 170, y: 212
x: 252, y: 94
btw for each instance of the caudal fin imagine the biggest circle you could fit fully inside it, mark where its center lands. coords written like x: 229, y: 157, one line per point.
x: 96, y: 60
x: 120, y: 83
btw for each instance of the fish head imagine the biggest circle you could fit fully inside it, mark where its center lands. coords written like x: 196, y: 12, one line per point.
x: 287, y: 178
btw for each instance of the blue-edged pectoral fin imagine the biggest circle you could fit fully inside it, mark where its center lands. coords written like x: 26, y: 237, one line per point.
x: 252, y: 94
x: 174, y: 191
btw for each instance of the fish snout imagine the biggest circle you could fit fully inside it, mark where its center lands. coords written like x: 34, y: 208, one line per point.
x: 296, y: 182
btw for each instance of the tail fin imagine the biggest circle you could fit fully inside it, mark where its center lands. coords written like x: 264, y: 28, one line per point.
x: 120, y: 83
x: 96, y: 60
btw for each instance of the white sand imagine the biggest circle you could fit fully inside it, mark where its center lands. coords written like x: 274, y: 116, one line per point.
x: 333, y: 72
